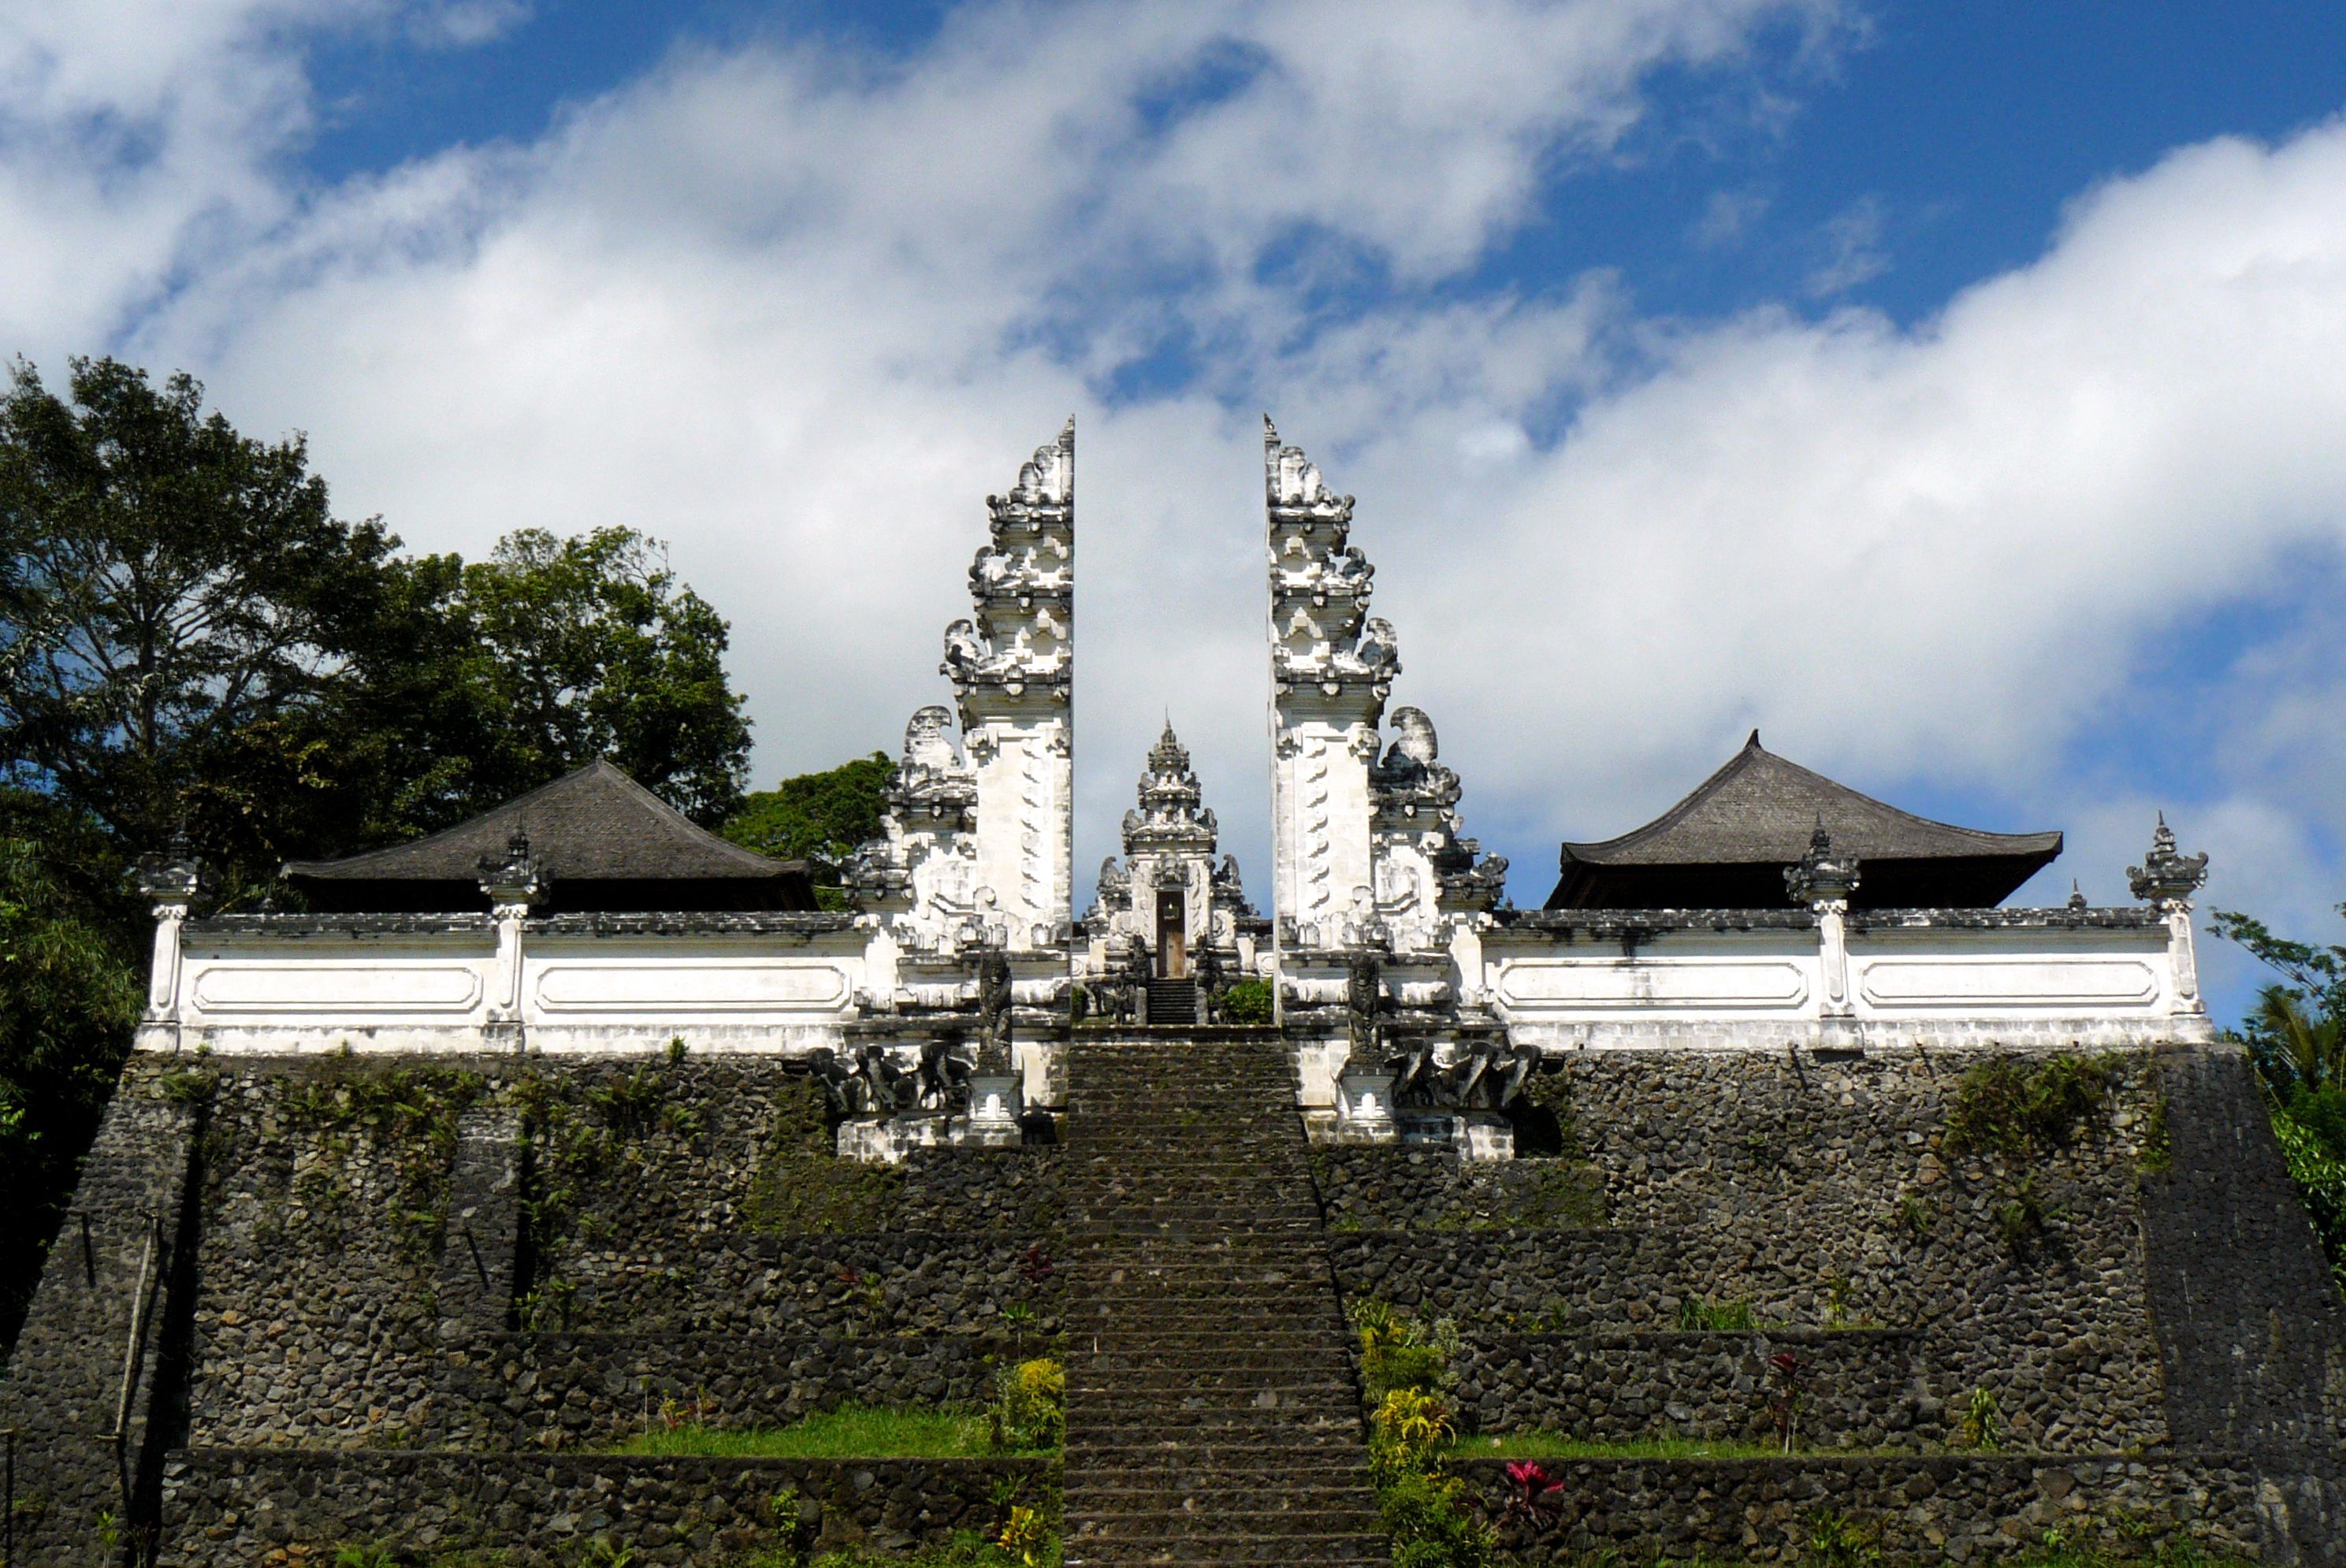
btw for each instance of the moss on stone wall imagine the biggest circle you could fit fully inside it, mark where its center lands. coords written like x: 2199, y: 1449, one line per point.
x: 404, y: 1117
x: 803, y: 1188
x: 2001, y: 1107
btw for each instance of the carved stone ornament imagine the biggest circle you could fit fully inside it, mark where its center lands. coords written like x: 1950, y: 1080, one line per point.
x: 993, y: 995
x: 517, y: 879
x: 2166, y: 878
x: 173, y: 875
x: 1363, y: 1003
x: 1483, y: 1075
x: 1821, y: 878
x: 877, y: 1081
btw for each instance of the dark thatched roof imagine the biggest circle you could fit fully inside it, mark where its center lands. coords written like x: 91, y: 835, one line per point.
x: 1726, y: 844
x: 603, y: 840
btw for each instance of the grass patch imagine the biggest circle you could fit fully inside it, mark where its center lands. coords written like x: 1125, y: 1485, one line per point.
x: 850, y: 1431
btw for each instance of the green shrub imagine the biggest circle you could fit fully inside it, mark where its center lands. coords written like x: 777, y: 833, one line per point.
x: 1399, y: 1352
x: 1431, y: 1525
x: 2002, y: 1108
x: 1247, y: 1002
x: 1030, y: 1408
x: 1837, y: 1541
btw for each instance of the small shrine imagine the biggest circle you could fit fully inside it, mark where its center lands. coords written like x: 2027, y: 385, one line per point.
x: 1171, y: 929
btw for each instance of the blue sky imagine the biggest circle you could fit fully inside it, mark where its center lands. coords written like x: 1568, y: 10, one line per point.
x: 1951, y: 390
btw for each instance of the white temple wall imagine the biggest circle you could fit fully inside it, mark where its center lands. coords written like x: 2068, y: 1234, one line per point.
x: 322, y: 993
x: 2045, y: 983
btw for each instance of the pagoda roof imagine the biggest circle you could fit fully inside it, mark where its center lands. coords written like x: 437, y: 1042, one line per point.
x: 1726, y: 843
x: 603, y: 841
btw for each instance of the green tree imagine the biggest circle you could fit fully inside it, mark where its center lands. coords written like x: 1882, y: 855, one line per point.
x: 189, y: 636
x: 817, y: 817
x: 68, y: 1000
x: 2295, y: 1027
x: 592, y: 647
x: 2296, y: 1034
x: 177, y: 605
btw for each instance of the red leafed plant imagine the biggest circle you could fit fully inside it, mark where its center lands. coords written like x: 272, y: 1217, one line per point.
x: 1534, y: 1489
x: 1785, y: 1397
x: 1035, y: 1264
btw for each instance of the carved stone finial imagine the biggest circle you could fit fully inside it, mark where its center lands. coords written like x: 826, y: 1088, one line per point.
x: 517, y: 878
x: 1821, y: 878
x: 173, y: 875
x: 2166, y: 878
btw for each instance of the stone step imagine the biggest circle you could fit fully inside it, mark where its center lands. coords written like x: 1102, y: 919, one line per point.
x: 1307, y: 1364
x: 1114, y: 1381
x: 1217, y: 1522
x: 1190, y: 1489
x: 1215, y: 1426
x: 1137, y: 1299
x: 1349, y: 1547
x: 1134, y: 1460
x: 1112, y: 1340
x: 1273, y: 1273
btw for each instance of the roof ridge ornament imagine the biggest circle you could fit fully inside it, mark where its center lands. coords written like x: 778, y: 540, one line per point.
x: 2166, y: 878
x: 518, y: 879
x: 1821, y: 878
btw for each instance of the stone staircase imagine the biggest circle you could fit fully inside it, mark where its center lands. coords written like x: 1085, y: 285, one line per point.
x: 1173, y: 1002
x: 1213, y: 1414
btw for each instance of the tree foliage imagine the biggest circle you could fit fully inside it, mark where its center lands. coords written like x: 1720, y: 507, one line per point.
x: 189, y: 636
x: 176, y: 605
x: 68, y: 1000
x: 2296, y: 1034
x: 820, y: 817
x: 592, y: 647
x: 190, y: 640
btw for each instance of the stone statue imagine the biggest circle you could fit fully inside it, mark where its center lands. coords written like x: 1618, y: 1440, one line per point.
x: 994, y: 1011
x: 963, y: 652
x: 1409, y: 1067
x: 1212, y: 982
x: 1363, y: 1000
x: 925, y: 742
x: 944, y: 1078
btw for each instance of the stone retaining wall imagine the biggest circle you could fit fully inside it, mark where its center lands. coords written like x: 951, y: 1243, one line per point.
x: 367, y: 1220
x: 1857, y: 1389
x: 1816, y: 1190
x: 1958, y: 1509
x: 552, y: 1390
x: 229, y: 1508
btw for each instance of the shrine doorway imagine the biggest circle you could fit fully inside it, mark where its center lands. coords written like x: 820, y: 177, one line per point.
x: 1172, y: 934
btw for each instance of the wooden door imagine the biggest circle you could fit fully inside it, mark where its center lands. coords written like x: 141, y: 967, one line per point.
x: 1172, y: 934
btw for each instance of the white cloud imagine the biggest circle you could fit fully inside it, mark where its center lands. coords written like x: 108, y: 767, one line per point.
x: 1851, y: 241
x: 1727, y: 217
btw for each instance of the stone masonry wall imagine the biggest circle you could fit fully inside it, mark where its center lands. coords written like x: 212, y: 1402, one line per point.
x: 230, y: 1509
x: 395, y: 1296
x: 1816, y: 1192
x: 1860, y: 1387
x: 1966, y: 1508
x: 373, y: 1250
x: 91, y: 1386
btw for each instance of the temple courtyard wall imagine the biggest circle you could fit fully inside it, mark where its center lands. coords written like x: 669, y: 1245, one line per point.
x: 306, y: 1303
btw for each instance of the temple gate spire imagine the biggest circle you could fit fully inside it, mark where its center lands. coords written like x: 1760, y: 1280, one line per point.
x: 1332, y: 668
